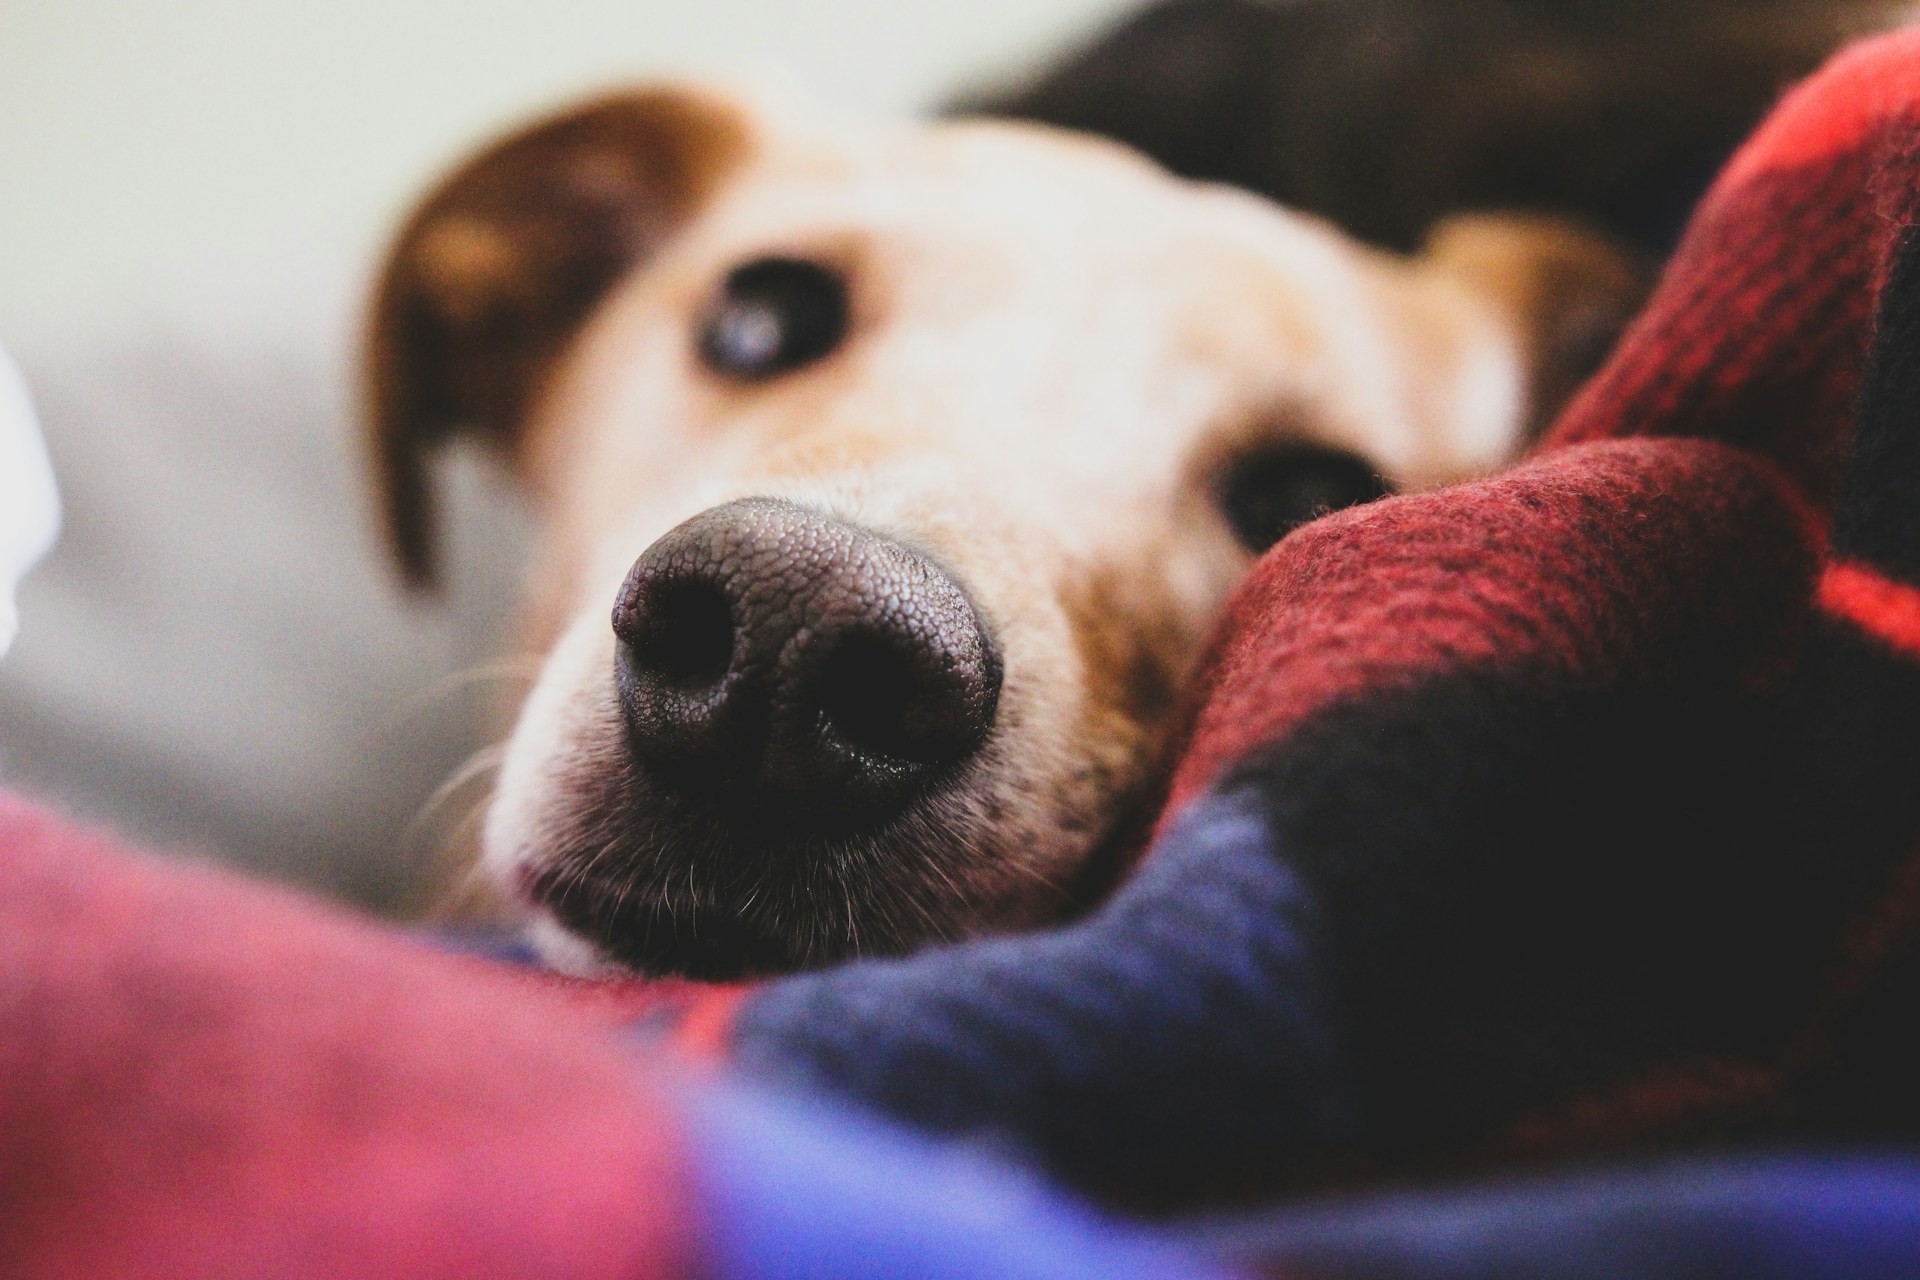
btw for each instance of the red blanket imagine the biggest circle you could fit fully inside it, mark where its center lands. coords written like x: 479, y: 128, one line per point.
x: 1572, y: 808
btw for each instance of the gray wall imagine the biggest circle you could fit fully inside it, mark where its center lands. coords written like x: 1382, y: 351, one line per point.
x: 150, y: 150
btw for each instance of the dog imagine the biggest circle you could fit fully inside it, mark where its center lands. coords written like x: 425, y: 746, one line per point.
x: 890, y: 479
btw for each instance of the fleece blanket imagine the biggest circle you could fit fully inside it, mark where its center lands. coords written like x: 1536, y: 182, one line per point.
x: 1571, y: 813
x: 1569, y: 810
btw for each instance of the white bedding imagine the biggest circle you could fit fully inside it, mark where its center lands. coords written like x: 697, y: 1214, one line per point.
x: 29, y: 505
x: 214, y: 656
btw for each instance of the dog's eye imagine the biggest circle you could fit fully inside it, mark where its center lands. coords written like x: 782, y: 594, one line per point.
x: 1269, y: 494
x: 773, y: 315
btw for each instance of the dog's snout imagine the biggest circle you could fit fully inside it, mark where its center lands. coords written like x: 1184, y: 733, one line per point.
x: 798, y: 667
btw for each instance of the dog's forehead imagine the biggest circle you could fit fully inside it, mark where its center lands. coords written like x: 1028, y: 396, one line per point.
x: 992, y: 264
x: 1026, y: 303
x: 1048, y: 202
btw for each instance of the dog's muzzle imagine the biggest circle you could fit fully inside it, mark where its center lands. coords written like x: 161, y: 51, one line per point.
x: 798, y: 694
x: 792, y: 673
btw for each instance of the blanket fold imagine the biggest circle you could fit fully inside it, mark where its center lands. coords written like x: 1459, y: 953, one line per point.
x: 1401, y: 918
x: 1590, y: 786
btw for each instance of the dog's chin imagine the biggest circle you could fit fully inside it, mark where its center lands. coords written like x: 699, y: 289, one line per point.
x: 656, y: 886
x: 662, y: 938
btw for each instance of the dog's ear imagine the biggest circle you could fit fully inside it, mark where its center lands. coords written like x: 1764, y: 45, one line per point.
x: 1568, y: 291
x: 500, y: 265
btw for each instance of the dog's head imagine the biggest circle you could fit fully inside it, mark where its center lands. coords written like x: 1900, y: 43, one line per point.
x: 890, y: 482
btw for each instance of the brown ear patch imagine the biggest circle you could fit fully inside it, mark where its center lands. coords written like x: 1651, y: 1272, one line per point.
x: 499, y: 267
x: 1569, y: 288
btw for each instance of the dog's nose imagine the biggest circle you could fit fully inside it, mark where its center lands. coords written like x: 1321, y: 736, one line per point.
x: 799, y: 667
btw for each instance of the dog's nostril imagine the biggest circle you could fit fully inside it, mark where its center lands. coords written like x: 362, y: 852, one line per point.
x: 685, y: 635
x: 867, y: 693
x: 674, y: 669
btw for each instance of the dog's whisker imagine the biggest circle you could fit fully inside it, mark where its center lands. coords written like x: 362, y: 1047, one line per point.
x: 517, y: 669
x: 468, y: 826
x: 853, y: 917
x: 602, y: 835
x: 477, y: 765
